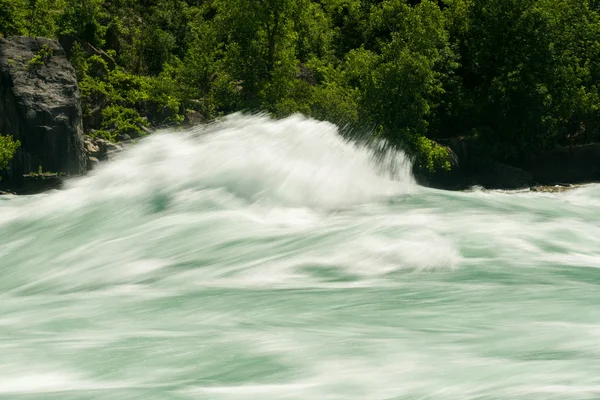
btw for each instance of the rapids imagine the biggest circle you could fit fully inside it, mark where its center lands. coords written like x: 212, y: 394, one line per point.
x: 263, y: 259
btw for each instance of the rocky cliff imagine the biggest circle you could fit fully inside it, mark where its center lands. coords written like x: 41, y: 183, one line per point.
x: 561, y: 166
x: 40, y: 106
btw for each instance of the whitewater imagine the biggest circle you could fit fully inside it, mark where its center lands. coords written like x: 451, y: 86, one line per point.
x: 267, y: 259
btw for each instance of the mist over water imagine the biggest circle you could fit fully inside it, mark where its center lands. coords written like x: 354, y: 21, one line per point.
x: 263, y: 259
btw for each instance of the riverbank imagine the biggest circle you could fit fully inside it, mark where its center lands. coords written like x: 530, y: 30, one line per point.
x: 464, y: 175
x: 47, y: 105
x: 558, y: 167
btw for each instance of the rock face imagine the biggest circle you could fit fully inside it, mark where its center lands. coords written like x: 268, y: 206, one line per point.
x: 575, y: 164
x: 469, y: 170
x: 40, y: 106
x: 561, y: 166
x: 496, y: 175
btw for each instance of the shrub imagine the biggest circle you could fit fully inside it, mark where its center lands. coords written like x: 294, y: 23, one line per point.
x: 41, y: 58
x: 8, y: 147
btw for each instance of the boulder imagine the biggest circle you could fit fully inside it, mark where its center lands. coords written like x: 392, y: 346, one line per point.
x: 93, y: 163
x: 107, y: 147
x: 92, y: 149
x: 98, y: 149
x: 40, y: 106
x: 192, y: 118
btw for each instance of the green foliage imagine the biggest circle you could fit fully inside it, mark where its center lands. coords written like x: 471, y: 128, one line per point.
x: 8, y: 147
x: 41, y: 16
x: 518, y: 76
x: 118, y: 103
x: 120, y: 120
x: 530, y: 72
x: 335, y: 99
x: 82, y: 19
x: 12, y: 17
x: 429, y: 155
x: 401, y: 77
x: 259, y: 47
x: 29, y: 17
x: 41, y: 58
x: 164, y: 33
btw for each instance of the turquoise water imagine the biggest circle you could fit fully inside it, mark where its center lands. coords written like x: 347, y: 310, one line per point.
x: 259, y: 259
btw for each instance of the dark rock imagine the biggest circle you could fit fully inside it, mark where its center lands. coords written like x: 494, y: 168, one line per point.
x: 459, y: 147
x: 37, y: 183
x: 108, y: 149
x: 496, y: 175
x: 93, y: 163
x: 575, y: 164
x: 146, y: 130
x: 192, y: 118
x: 40, y: 106
x: 91, y: 147
x: 107, y: 146
x: 124, y: 137
x: 98, y: 150
x: 469, y: 169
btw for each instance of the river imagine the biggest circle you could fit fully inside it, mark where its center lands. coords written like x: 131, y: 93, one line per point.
x: 262, y: 259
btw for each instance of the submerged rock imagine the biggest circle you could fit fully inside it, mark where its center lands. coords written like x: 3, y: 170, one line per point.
x: 554, y: 188
x: 40, y: 107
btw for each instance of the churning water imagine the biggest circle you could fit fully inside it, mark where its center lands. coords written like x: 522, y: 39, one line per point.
x: 261, y: 259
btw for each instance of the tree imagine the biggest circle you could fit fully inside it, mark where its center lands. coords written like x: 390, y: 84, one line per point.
x: 528, y: 70
x: 12, y: 17
x: 82, y: 19
x: 400, y: 80
x: 259, y: 43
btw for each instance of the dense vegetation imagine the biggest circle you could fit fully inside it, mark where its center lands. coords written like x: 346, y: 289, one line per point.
x: 517, y: 76
x: 8, y: 147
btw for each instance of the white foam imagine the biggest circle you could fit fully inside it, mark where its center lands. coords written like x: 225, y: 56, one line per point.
x: 295, y: 162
